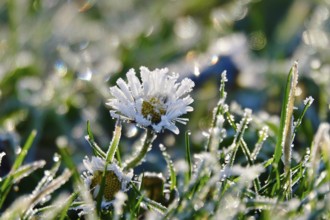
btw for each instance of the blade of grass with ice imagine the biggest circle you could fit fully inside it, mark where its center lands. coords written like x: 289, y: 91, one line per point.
x: 170, y: 167
x: 36, y: 198
x: 285, y: 133
x: 6, y: 185
x: 188, y: 156
x: 90, y: 138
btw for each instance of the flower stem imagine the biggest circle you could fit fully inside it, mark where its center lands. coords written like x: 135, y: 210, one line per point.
x: 114, y: 143
x: 149, y: 138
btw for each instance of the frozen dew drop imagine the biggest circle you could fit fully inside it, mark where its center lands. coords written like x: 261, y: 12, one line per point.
x: 197, y: 71
x: 85, y: 74
x: 227, y: 158
x: 214, y: 59
x: 18, y: 150
x: 131, y: 131
x: 56, y: 158
x: 16, y: 188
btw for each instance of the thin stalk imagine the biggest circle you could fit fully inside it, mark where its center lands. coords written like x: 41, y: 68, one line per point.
x: 150, y: 137
x: 220, y: 109
x: 239, y: 136
x: 114, y: 143
x: 188, y: 156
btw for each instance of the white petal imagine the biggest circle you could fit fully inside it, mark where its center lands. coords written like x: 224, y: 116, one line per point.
x: 185, y: 87
x: 134, y: 83
x: 124, y: 88
x: 116, y: 92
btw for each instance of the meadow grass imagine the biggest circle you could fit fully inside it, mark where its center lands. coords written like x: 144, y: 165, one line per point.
x: 226, y: 180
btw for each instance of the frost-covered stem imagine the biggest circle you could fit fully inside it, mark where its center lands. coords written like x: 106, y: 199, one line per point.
x: 288, y: 131
x: 263, y: 135
x: 220, y: 109
x: 114, y: 143
x: 149, y: 138
x: 239, y: 133
x: 321, y: 140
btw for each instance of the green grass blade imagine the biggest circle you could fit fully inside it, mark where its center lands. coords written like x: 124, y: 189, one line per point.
x: 25, y: 170
x: 5, y: 187
x: 90, y: 138
x: 285, y: 113
x: 17, y: 175
x: 36, y: 198
x: 114, y: 143
x: 49, y: 175
x: 28, y: 144
x: 170, y: 167
x: 285, y: 132
x: 188, y: 155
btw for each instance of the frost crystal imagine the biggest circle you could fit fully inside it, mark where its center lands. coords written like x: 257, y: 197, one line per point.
x: 309, y: 101
x: 2, y: 154
x: 157, y: 102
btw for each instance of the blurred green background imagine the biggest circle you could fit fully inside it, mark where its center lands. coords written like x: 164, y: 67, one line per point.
x: 58, y: 59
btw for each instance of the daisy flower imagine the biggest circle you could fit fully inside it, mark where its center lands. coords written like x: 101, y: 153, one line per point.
x: 115, y: 179
x: 158, y: 101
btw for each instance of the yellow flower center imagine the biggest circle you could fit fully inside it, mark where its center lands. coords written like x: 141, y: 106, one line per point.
x: 153, y: 109
x: 111, y: 185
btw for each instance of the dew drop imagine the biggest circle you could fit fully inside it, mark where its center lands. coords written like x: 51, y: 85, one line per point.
x: 214, y: 59
x: 56, y: 157
x: 16, y: 188
x: 196, y: 70
x: 18, y: 150
x: 227, y: 158
x: 131, y: 131
x: 85, y: 74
